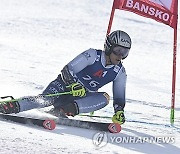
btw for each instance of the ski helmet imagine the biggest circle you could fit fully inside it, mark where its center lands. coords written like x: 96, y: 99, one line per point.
x: 117, y: 38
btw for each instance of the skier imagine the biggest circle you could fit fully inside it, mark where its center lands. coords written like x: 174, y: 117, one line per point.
x: 83, y: 76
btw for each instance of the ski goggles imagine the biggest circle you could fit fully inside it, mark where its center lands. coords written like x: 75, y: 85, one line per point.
x: 121, y: 51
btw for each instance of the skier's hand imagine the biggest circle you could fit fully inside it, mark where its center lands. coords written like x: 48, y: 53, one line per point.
x: 77, y: 89
x: 119, y: 117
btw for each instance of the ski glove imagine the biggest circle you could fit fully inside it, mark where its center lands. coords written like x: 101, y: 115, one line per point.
x: 77, y: 89
x: 119, y: 117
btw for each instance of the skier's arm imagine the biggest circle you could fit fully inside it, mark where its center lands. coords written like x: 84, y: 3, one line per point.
x: 119, y: 89
x: 86, y: 58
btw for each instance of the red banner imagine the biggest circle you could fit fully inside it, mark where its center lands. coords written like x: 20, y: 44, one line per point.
x: 164, y: 11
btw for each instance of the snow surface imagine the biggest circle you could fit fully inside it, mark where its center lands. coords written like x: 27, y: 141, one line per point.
x: 38, y: 37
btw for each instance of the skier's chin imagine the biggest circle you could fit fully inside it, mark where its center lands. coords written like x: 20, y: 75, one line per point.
x: 116, y: 62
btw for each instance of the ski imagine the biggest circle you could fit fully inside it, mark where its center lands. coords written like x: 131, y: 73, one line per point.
x: 50, y: 124
x: 45, y: 123
x: 100, y: 126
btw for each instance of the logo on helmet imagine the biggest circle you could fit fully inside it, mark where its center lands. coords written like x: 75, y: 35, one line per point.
x: 126, y: 43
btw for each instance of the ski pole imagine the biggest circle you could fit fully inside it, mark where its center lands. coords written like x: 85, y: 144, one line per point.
x: 33, y: 97
x: 95, y: 116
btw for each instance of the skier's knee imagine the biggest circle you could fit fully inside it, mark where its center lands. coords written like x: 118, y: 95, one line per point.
x: 107, y: 97
x: 93, y: 102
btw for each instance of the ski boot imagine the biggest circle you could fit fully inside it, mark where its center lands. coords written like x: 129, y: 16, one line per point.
x: 8, y: 107
x: 57, y: 112
x: 67, y: 110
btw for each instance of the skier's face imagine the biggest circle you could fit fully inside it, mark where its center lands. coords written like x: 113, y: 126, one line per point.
x: 119, y: 50
x: 117, y: 54
x: 115, y: 59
